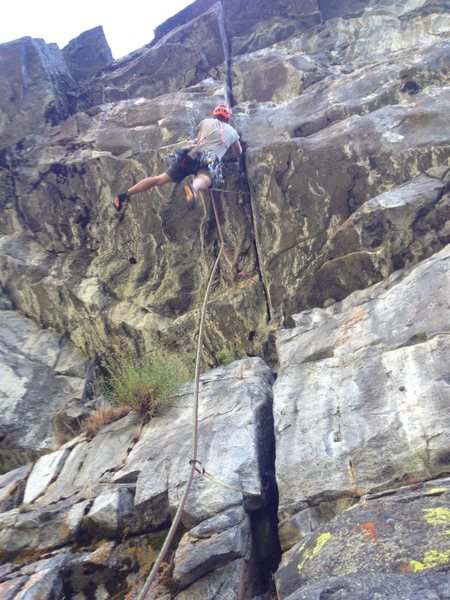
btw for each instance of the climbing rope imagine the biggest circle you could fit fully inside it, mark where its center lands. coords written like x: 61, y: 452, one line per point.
x: 193, y: 462
x: 202, y: 471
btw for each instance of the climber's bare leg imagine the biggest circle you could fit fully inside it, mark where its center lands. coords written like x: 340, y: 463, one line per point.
x: 148, y: 182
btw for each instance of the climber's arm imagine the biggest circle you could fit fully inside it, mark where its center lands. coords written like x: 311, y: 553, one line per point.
x: 237, y: 148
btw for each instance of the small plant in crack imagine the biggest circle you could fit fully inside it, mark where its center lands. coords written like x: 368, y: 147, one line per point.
x: 144, y: 383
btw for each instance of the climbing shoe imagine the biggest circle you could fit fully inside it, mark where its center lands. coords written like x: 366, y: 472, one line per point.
x: 190, y: 195
x: 119, y: 201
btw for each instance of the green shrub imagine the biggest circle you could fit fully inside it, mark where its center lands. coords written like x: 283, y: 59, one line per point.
x: 226, y: 356
x: 144, y: 383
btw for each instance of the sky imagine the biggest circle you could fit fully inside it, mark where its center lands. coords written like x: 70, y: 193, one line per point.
x: 127, y: 25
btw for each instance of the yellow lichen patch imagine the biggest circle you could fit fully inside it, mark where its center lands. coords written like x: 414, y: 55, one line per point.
x: 310, y: 554
x: 437, y: 516
x: 430, y: 560
x: 321, y: 541
x: 435, y: 491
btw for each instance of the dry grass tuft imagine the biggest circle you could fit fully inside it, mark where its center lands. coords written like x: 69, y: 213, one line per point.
x: 102, y: 416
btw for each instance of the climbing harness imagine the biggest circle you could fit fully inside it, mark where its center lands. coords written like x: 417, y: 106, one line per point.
x: 191, y: 159
x: 194, y: 460
x: 179, y: 157
x: 208, y: 160
x: 204, y: 159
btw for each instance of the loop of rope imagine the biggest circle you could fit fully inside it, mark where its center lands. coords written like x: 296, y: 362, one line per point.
x: 202, y: 471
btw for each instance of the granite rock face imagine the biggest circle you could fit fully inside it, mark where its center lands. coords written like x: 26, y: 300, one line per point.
x: 129, y: 480
x: 371, y: 551
x: 87, y: 54
x: 41, y: 373
x: 335, y: 106
x: 337, y: 226
x: 363, y: 390
x: 34, y: 80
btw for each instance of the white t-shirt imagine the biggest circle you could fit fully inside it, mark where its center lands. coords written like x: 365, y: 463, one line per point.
x: 216, y: 136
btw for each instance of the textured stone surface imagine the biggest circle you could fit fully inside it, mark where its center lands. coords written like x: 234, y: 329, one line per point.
x: 394, y: 230
x: 45, y: 470
x: 9, y: 588
x: 373, y: 551
x: 358, y: 107
x: 343, y: 112
x: 254, y: 25
x: 223, y: 583
x: 110, y: 512
x: 114, y: 485
x: 184, y: 57
x: 88, y: 463
x: 43, y: 585
x: 35, y: 530
x: 235, y: 414
x: 147, y: 271
x: 299, y: 198
x: 361, y: 398
x: 87, y: 54
x: 34, y: 81
x: 12, y: 486
x: 385, y: 586
x: 198, y: 555
x: 41, y: 372
x: 103, y: 569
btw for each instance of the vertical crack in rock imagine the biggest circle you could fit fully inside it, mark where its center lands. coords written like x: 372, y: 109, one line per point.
x: 227, y: 54
x: 258, y: 261
x: 266, y: 549
x: 243, y: 179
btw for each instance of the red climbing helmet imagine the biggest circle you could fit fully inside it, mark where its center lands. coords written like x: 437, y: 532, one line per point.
x: 222, y: 110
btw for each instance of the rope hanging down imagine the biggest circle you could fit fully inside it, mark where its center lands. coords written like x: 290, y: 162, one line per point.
x: 193, y: 462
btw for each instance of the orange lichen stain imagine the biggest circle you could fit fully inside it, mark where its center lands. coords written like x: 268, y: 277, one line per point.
x: 349, y: 324
x: 64, y: 533
x: 370, y: 529
x: 145, y: 557
x: 101, y: 555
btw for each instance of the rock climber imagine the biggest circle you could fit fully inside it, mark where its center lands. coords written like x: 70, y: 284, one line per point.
x: 215, y: 136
